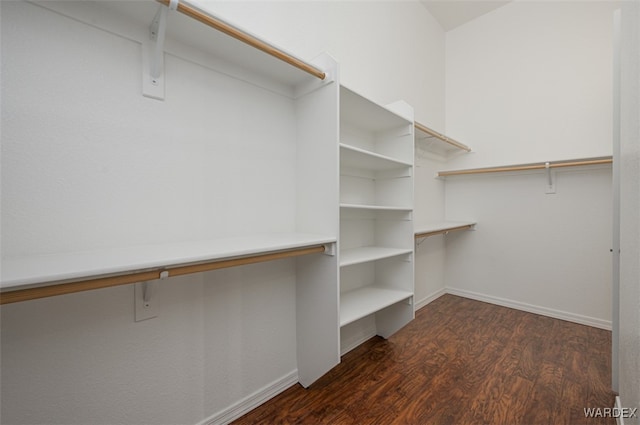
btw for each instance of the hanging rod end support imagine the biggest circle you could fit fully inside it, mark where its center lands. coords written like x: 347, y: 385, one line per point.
x: 330, y: 249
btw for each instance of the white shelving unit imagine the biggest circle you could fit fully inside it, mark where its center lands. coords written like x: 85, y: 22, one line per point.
x: 253, y: 168
x: 226, y: 165
x: 376, y: 214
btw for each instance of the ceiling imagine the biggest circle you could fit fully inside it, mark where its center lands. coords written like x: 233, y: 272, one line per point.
x: 453, y: 13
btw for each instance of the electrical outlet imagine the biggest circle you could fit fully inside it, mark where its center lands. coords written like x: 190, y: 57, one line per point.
x: 146, y: 300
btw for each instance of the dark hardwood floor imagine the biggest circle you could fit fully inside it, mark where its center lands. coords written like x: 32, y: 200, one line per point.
x: 460, y: 362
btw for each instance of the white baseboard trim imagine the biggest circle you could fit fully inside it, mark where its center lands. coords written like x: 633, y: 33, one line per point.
x: 252, y: 401
x: 543, y: 311
x: 430, y: 298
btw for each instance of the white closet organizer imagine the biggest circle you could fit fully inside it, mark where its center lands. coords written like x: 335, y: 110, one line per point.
x: 444, y: 147
x: 172, y: 187
x: 376, y: 213
x: 440, y: 144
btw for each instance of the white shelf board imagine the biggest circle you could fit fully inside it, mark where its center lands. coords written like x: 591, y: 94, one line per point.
x: 364, y: 113
x: 351, y: 156
x: 434, y: 144
x: 133, y: 18
x: 38, y: 270
x: 362, y: 302
x: 369, y: 253
x: 442, y: 226
x: 376, y: 207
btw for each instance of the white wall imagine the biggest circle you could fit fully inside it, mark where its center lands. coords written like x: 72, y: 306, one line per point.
x: 222, y: 336
x: 546, y: 253
x: 532, y: 82
x: 404, y: 60
x: 429, y: 206
x: 629, y: 366
x: 387, y: 50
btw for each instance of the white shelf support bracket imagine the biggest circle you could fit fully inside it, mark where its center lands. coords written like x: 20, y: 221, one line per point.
x: 329, y: 66
x: 146, y: 298
x: 153, y: 54
x: 147, y: 290
x: 551, y: 185
x: 330, y: 249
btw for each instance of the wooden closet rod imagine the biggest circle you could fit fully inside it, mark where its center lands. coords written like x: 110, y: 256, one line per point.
x: 14, y: 296
x: 442, y: 137
x: 441, y: 231
x: 540, y: 166
x: 249, y: 39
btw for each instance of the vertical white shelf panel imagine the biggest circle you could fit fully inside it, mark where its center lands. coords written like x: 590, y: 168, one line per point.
x: 317, y: 194
x: 376, y: 215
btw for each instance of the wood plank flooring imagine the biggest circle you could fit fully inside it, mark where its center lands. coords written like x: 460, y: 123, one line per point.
x: 460, y: 362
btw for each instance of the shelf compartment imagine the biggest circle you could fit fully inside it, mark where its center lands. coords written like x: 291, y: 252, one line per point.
x: 374, y: 180
x: 362, y: 228
x: 25, y: 278
x: 364, y: 113
x: 362, y: 302
x: 369, y: 253
x: 443, y: 227
x: 374, y: 128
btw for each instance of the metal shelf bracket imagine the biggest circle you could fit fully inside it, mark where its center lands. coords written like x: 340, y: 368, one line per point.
x: 153, y: 53
x: 551, y: 185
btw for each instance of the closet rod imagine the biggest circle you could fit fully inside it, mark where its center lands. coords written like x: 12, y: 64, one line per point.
x: 246, y: 38
x: 442, y: 137
x: 441, y: 231
x: 540, y: 166
x: 27, y: 294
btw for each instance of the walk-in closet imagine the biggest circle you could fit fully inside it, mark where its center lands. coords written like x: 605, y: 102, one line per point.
x: 210, y: 206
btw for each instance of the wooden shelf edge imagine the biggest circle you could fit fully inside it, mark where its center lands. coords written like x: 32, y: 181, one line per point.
x: 63, y: 288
